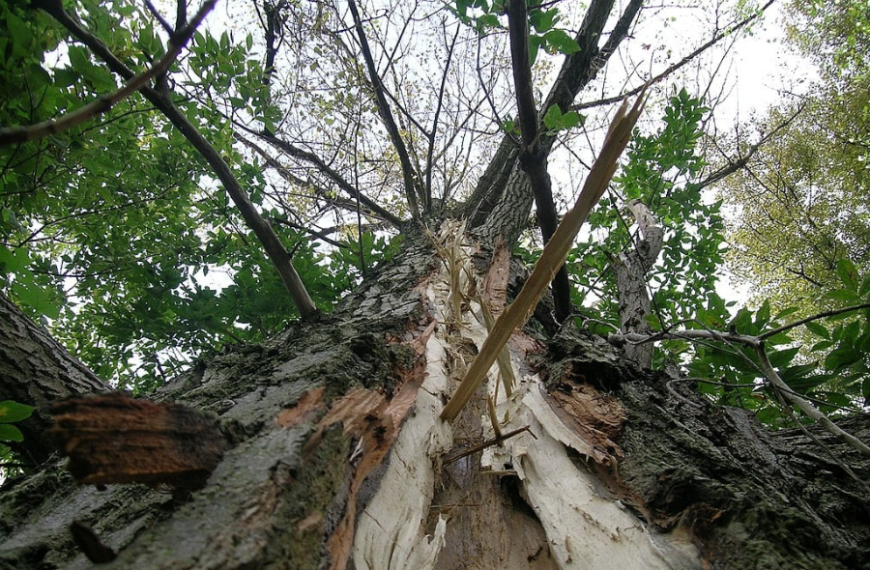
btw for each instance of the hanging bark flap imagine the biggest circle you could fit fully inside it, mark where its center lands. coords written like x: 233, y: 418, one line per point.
x: 593, y: 416
x: 116, y: 439
x: 495, y: 284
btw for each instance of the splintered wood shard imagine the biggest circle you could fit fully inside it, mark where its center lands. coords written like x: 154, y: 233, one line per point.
x: 552, y: 257
x: 115, y: 439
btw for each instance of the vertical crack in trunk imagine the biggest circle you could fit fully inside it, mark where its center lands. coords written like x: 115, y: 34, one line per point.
x: 527, y: 502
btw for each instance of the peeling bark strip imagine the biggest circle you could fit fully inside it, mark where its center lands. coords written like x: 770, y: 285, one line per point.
x: 116, y: 439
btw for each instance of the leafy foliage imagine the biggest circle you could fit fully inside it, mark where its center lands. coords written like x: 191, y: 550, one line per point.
x: 802, y: 197
x: 113, y: 257
x: 660, y: 172
x: 834, y: 372
x: 10, y: 413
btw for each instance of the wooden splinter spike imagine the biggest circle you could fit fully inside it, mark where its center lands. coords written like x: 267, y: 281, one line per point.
x: 113, y: 438
x: 552, y: 258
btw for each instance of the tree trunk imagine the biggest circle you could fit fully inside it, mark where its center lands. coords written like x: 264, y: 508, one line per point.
x: 338, y: 458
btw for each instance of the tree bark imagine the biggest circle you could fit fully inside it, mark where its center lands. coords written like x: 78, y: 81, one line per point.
x: 338, y: 459
x: 631, y: 268
x: 36, y: 370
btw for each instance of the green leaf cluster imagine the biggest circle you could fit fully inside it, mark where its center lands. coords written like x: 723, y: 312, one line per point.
x: 660, y: 172
x: 543, y: 17
x: 10, y: 413
x: 825, y: 359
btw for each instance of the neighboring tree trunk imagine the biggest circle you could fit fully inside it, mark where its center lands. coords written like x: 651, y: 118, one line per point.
x: 338, y: 459
x: 631, y: 268
x: 37, y: 371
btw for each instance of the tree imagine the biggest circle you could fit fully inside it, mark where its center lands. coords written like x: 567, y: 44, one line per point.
x: 326, y: 444
x: 801, y: 196
x: 801, y: 228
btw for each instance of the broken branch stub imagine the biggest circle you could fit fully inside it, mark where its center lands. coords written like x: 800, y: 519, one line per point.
x: 552, y: 257
x: 115, y: 439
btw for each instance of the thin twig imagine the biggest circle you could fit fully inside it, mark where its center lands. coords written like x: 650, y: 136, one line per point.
x: 815, y: 317
x: 488, y: 443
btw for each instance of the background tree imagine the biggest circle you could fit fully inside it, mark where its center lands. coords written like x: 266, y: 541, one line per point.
x: 800, y: 229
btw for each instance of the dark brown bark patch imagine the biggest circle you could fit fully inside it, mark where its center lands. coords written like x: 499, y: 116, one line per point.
x: 594, y: 416
x: 116, y: 439
x: 309, y: 403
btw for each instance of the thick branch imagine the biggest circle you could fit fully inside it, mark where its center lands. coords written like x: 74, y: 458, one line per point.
x: 36, y: 370
x: 577, y: 71
x: 264, y: 232
x: 533, y: 159
x: 631, y: 270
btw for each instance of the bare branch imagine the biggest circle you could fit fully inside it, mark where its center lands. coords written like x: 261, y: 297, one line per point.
x: 815, y: 317
x: 321, y: 166
x: 735, y: 165
x: 683, y: 62
x: 159, y: 17
x: 409, y: 175
x: 431, y: 135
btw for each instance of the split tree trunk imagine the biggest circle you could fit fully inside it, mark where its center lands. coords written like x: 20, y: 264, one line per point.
x: 338, y: 459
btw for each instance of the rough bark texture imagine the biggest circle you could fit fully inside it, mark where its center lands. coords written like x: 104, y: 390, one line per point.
x: 36, y: 370
x: 269, y: 503
x: 313, y: 453
x: 501, y: 200
x: 749, y: 498
x: 631, y: 269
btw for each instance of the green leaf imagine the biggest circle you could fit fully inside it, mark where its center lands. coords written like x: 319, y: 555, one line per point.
x: 818, y: 330
x: 792, y: 373
x: 37, y: 298
x: 782, y: 357
x: 14, y: 412
x: 845, y: 295
x: 762, y: 317
x: 560, y: 41
x: 554, y: 120
x: 13, y: 260
x: 848, y: 274
x: 487, y: 22
x: 535, y: 43
x: 843, y: 357
x: 543, y: 20
x: 804, y: 384
x: 786, y: 312
x: 10, y: 433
